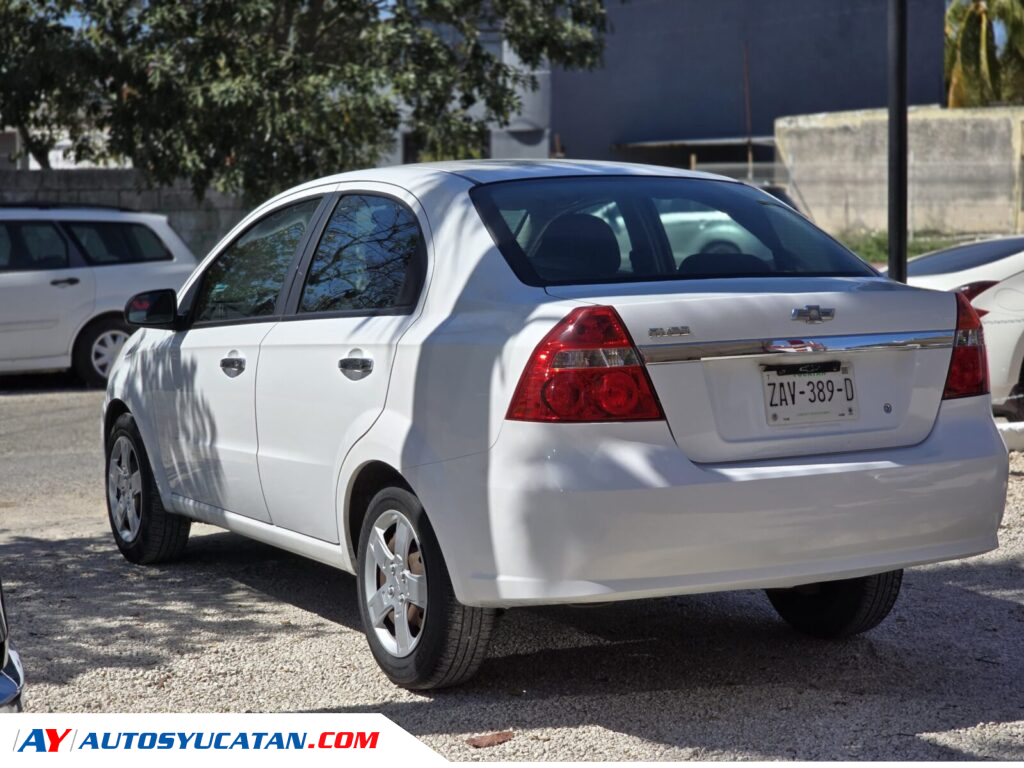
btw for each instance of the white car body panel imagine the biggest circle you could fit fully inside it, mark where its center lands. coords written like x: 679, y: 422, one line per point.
x: 310, y: 414
x: 531, y: 513
x: 39, y: 321
x: 1003, y: 323
x: 1004, y: 337
x: 948, y: 281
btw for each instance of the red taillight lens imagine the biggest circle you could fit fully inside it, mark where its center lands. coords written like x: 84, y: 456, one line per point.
x: 971, y: 290
x: 968, y: 366
x: 585, y: 369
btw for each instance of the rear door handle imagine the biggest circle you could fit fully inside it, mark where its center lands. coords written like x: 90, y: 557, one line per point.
x: 232, y: 366
x: 65, y: 281
x: 355, y: 367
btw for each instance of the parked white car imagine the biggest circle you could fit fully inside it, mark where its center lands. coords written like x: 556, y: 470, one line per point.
x: 990, y: 274
x: 65, y: 276
x: 446, y: 379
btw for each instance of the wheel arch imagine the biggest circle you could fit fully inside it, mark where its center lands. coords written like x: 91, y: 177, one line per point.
x: 108, y: 315
x: 369, y: 479
x: 116, y: 408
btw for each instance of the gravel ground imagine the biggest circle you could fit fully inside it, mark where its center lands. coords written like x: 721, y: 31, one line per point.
x: 238, y: 626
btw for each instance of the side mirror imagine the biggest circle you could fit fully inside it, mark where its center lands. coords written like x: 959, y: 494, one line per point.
x: 153, y: 309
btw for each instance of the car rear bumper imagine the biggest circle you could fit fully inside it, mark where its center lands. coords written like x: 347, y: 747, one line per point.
x: 586, y: 513
x: 12, y: 681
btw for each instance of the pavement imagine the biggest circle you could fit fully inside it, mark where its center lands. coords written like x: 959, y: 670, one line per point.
x: 239, y: 626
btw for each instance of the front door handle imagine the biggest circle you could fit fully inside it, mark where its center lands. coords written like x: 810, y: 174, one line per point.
x: 355, y: 367
x: 65, y: 281
x: 232, y: 366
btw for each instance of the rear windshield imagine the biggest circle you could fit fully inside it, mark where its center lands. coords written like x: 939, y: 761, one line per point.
x: 619, y: 229
x: 964, y: 257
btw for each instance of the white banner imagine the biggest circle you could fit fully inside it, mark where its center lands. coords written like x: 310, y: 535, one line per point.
x: 209, y: 739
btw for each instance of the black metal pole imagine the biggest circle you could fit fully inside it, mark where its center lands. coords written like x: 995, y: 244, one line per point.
x: 898, y: 140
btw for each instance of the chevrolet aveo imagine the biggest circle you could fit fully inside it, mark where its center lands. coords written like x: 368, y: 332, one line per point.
x: 485, y: 385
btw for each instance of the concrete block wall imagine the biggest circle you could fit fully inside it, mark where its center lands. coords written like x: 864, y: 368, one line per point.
x: 200, y: 224
x: 965, y: 169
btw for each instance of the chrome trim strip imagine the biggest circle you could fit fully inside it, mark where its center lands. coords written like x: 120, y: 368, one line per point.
x: 657, y: 354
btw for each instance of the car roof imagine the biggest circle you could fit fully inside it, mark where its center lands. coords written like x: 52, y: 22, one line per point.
x: 60, y: 212
x: 418, y: 176
x: 489, y: 171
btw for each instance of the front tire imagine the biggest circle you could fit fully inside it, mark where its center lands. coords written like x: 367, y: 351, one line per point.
x: 838, y: 609
x: 144, y: 531
x: 419, y: 634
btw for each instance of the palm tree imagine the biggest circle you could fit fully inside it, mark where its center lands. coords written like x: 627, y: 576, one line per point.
x: 977, y: 74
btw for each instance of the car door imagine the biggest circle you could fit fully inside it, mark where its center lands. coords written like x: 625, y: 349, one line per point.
x: 46, y: 294
x: 204, y: 377
x: 324, y: 369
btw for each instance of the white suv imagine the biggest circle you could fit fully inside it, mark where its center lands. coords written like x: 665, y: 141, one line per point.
x: 457, y: 382
x: 65, y: 275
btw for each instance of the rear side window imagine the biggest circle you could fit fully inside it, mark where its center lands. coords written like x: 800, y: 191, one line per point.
x: 246, y: 279
x: 614, y: 229
x: 965, y: 257
x: 31, y: 245
x: 369, y: 258
x: 105, y: 242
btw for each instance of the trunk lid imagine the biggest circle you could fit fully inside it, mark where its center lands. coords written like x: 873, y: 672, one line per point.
x: 726, y: 355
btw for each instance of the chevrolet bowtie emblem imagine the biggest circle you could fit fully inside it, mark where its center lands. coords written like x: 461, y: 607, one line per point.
x: 812, y: 313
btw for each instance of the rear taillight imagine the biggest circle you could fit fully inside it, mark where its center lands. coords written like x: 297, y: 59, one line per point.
x: 971, y: 290
x: 968, y: 366
x: 585, y: 369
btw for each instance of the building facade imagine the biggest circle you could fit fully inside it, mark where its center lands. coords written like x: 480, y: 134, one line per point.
x: 678, y: 76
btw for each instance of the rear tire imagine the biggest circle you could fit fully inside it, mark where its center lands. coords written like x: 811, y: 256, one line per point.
x: 143, y: 530
x: 97, y: 347
x: 837, y: 609
x: 419, y: 634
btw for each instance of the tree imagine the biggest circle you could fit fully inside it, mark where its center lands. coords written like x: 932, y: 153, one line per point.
x: 252, y: 95
x: 977, y: 73
x: 45, y: 82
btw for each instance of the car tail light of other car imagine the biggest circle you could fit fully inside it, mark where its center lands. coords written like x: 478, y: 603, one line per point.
x: 972, y: 290
x: 968, y: 366
x: 586, y: 369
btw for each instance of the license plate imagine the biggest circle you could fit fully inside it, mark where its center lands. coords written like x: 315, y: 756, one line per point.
x: 809, y: 392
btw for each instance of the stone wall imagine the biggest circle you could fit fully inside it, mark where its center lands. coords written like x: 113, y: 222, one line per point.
x: 965, y: 169
x: 200, y: 224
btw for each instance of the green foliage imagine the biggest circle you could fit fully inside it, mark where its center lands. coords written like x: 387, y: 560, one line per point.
x: 46, y: 92
x: 873, y: 247
x: 253, y: 95
x: 977, y: 73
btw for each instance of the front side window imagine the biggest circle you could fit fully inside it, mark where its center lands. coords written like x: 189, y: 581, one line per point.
x: 612, y: 229
x: 31, y: 245
x: 246, y: 279
x: 367, y: 260
x: 111, y: 242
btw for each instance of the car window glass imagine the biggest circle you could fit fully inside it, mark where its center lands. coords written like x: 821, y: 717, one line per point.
x: 246, y: 279
x: 611, y: 214
x: 5, y: 249
x: 605, y: 229
x: 31, y: 245
x: 117, y: 242
x: 694, y: 229
x: 364, y: 258
x: 964, y: 257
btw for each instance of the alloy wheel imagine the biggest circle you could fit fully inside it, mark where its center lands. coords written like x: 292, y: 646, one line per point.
x: 124, y: 489
x: 395, y: 583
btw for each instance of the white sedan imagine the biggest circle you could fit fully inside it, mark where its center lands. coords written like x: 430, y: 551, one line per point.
x: 990, y: 274
x: 458, y: 383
